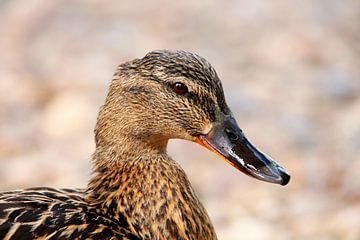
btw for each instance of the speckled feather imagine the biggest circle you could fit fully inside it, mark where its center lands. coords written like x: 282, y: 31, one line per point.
x: 137, y: 191
x: 47, y: 213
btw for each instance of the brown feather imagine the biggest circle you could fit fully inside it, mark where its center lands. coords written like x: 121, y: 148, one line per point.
x: 137, y: 191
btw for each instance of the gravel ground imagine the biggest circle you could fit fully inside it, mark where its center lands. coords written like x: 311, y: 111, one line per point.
x: 291, y: 75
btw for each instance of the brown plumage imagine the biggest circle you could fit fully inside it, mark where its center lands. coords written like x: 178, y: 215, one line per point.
x: 137, y: 191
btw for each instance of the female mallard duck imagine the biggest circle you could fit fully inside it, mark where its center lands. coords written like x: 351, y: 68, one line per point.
x: 138, y: 191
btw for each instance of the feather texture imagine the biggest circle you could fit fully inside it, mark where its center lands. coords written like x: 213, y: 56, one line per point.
x: 137, y: 191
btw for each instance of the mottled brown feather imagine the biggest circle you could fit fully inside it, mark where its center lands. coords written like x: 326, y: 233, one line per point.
x: 137, y: 191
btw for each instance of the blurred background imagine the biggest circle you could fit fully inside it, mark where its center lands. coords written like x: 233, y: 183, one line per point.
x: 291, y: 74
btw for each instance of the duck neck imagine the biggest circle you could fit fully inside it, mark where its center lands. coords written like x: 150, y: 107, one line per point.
x: 143, y: 188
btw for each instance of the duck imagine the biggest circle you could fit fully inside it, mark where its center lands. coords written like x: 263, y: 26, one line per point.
x: 137, y: 191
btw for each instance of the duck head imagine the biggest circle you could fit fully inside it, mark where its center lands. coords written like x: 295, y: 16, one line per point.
x: 177, y: 94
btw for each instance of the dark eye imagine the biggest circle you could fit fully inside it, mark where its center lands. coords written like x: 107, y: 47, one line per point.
x: 180, y: 88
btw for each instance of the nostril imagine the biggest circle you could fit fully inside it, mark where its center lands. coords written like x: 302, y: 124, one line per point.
x: 231, y: 134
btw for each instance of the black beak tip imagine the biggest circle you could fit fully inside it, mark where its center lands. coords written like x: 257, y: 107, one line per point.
x: 285, y: 178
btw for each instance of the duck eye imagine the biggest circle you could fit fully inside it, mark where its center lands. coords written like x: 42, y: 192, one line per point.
x: 180, y: 88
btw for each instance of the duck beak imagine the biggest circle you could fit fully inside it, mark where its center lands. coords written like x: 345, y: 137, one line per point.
x: 227, y: 140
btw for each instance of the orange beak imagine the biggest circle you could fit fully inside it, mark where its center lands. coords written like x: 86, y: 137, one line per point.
x: 228, y: 141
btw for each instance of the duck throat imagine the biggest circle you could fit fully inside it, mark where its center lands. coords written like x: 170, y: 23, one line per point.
x: 150, y: 195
